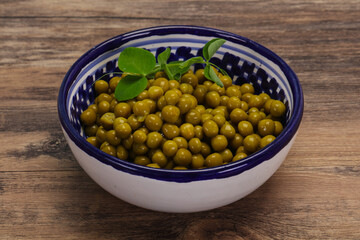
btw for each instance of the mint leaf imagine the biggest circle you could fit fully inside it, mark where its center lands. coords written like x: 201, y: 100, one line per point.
x: 129, y: 87
x: 211, y: 75
x: 211, y: 47
x: 136, y: 60
x: 164, y: 56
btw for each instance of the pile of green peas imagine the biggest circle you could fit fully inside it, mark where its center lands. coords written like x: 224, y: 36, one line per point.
x: 188, y: 124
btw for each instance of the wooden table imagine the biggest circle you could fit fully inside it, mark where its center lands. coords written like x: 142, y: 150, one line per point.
x: 44, y: 194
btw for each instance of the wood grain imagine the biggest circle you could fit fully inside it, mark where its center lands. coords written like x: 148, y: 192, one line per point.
x: 44, y: 194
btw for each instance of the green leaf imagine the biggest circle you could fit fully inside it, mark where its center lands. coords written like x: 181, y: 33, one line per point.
x: 153, y: 72
x: 211, y: 47
x: 136, y: 60
x: 175, y: 62
x: 174, y: 71
x: 220, y: 69
x: 164, y: 56
x: 191, y: 61
x: 211, y: 75
x: 206, y: 71
x: 168, y: 72
x: 223, y: 72
x: 129, y: 87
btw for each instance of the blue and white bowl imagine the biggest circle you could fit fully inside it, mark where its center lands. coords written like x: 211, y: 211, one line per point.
x: 181, y: 190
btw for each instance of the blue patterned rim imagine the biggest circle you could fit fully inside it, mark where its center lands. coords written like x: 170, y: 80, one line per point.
x: 116, y: 44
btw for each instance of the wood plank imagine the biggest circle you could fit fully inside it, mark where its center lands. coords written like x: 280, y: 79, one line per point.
x: 44, y: 194
x: 48, y: 199
x: 150, y: 8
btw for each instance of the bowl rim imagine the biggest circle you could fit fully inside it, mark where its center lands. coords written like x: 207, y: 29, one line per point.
x: 190, y: 175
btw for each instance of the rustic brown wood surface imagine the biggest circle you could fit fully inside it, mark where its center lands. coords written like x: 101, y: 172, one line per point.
x: 44, y: 194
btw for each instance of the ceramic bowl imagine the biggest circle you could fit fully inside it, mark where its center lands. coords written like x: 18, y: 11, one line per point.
x: 181, y: 190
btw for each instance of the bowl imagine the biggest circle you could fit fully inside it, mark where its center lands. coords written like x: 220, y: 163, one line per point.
x: 181, y: 190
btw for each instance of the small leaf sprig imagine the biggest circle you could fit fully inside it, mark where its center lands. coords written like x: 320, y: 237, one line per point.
x: 139, y: 64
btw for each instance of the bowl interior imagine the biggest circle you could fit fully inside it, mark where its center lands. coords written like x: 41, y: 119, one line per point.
x: 244, y: 60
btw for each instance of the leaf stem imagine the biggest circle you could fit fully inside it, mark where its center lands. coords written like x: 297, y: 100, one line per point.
x: 155, y: 70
